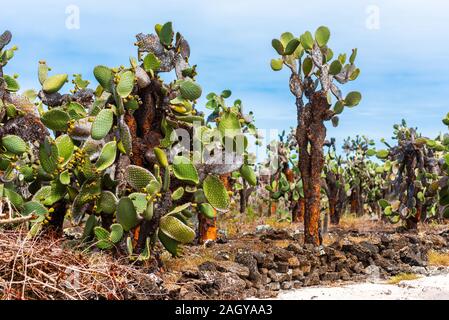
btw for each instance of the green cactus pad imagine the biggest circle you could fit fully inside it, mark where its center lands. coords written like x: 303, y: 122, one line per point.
x: 335, y: 67
x: 207, y: 210
x: 54, y: 83
x: 149, y: 211
x: 291, y: 47
x: 353, y: 99
x: 104, y: 76
x: 41, y: 194
x: 14, y: 144
x: 56, y: 119
x: 102, y: 124
x: 64, y: 177
x: 277, y: 64
x: 307, y: 40
x: 116, y: 233
x: 322, y: 36
x: 139, y: 200
x: 91, y: 223
x: 65, y: 148
x: 48, y: 156
x: 229, y: 125
x: 11, y: 84
x: 151, y: 62
x: 176, y: 229
x: 382, y: 154
x: 107, y: 156
x: 161, y: 157
x: 177, y: 194
x: 126, y: 214
x: 15, y: 198
x: 184, y: 170
x: 190, y: 90
x: 216, y: 193
x: 169, y: 244
x: 138, y: 177
x: 107, y: 202
x: 248, y: 174
x: 339, y: 107
x: 42, y: 72
x: 126, y: 138
x: 166, y: 34
x: 102, y: 236
x: 277, y: 45
x: 126, y: 83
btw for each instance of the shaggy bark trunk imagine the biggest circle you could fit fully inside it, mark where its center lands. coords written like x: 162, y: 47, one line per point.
x: 311, y: 134
x: 243, y: 197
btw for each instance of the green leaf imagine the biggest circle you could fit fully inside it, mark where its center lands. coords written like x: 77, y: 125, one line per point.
x: 216, y: 193
x: 107, y: 156
x: 14, y: 144
x: 126, y: 84
x: 184, y: 170
x: 102, y: 124
x: 54, y: 83
x: 56, y: 119
x: 322, y: 36
x: 277, y: 45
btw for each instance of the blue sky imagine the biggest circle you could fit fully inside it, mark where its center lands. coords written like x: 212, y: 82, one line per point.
x: 403, y: 62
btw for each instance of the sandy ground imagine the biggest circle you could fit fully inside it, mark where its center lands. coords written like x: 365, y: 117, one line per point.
x: 433, y: 287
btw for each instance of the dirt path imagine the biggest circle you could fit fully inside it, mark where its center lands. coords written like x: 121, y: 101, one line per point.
x: 433, y: 287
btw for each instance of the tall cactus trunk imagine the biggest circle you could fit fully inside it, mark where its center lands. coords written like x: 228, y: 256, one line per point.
x: 311, y: 134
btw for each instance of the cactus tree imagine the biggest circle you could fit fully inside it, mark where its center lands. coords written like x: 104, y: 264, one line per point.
x: 313, y: 71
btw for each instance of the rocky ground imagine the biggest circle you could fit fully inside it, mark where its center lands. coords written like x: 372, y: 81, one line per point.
x: 271, y: 262
x: 265, y: 263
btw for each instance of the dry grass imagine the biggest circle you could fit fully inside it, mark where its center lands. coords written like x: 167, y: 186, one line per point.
x: 43, y: 268
x: 188, y: 261
x: 438, y: 258
x: 403, y: 277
